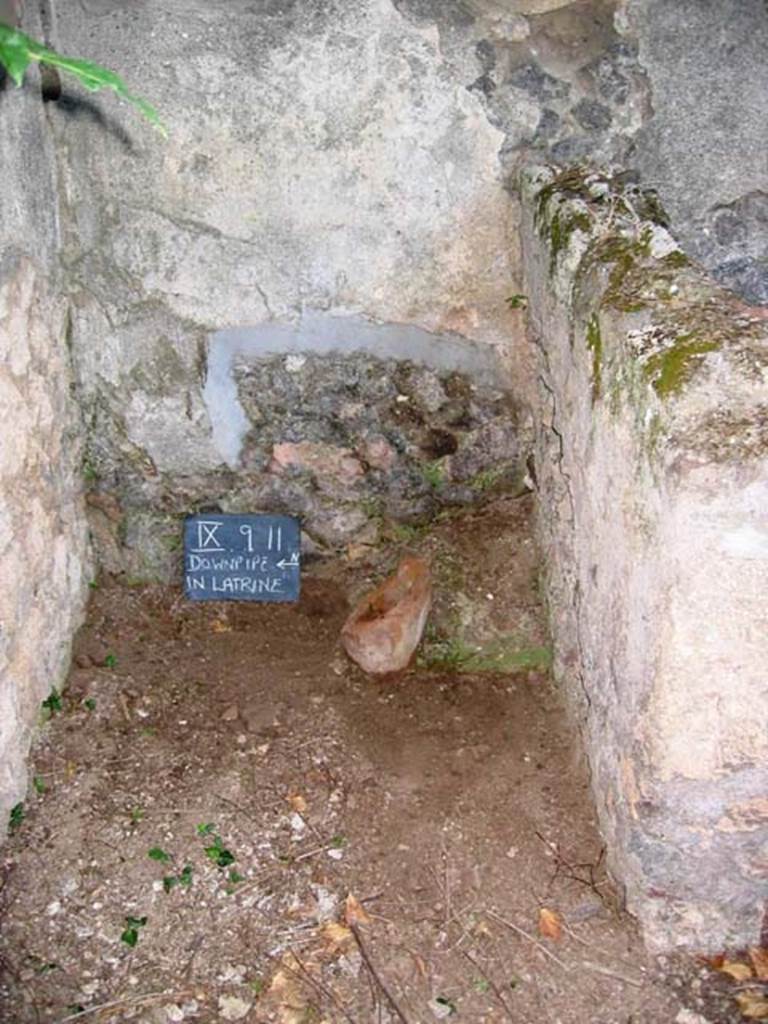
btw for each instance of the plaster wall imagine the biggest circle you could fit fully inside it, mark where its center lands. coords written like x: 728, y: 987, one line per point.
x: 43, y: 536
x: 652, y: 462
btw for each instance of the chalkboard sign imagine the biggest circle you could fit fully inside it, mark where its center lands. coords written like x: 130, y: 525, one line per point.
x: 241, y: 558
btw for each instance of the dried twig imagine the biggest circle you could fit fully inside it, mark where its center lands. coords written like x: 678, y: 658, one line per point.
x: 127, y: 1001
x: 532, y: 939
x: 598, y: 969
x: 494, y: 987
x: 374, y: 974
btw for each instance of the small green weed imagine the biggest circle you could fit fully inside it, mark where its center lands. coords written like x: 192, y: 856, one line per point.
x: 39, y: 783
x: 52, y: 704
x: 338, y: 842
x: 137, y: 815
x: 16, y: 817
x: 433, y: 473
x: 111, y: 660
x: 517, y: 301
x: 47, y: 968
x: 219, y: 854
x: 206, y: 830
x: 130, y: 934
x: 156, y: 853
x: 184, y: 878
x: 486, y: 480
x: 90, y: 703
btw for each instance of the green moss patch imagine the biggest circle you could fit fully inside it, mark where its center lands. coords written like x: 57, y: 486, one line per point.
x: 670, y: 369
x: 505, y: 655
x: 595, y: 346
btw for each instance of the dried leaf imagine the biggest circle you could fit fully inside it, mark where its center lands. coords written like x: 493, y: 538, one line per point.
x: 220, y: 626
x: 550, y: 925
x: 354, y: 913
x: 336, y: 935
x: 736, y: 970
x: 286, y: 993
x: 753, y: 1004
x: 298, y: 803
x: 421, y: 965
x: 759, y: 957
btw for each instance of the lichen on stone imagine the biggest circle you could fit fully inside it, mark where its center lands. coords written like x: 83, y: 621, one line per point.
x: 595, y: 346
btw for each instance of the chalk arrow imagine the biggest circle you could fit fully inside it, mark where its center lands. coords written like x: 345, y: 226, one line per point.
x: 290, y: 563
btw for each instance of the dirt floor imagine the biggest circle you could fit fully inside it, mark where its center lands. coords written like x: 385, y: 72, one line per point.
x: 228, y: 821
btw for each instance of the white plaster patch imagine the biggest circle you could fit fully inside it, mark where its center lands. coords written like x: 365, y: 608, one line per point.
x: 745, y: 542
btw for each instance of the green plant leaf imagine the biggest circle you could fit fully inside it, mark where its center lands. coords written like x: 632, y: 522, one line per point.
x: 156, y: 853
x: 14, y: 54
x: 221, y: 857
x: 53, y: 703
x: 46, y: 968
x: 130, y: 935
x: 206, y: 830
x: 184, y: 878
x: 39, y: 783
x: 18, y: 50
x: 16, y: 817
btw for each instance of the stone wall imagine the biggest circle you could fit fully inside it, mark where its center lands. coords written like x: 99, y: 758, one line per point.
x: 325, y: 164
x: 652, y: 468
x: 332, y: 169
x: 43, y: 539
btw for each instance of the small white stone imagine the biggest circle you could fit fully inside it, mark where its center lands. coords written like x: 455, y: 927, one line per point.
x: 294, y: 363
x: 233, y: 1008
x: 174, y: 1013
x: 335, y: 854
x: 53, y: 908
x: 686, y: 1016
